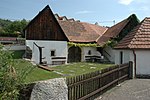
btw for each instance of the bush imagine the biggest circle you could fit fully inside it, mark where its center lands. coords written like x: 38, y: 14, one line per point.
x: 10, y: 79
x: 18, y: 54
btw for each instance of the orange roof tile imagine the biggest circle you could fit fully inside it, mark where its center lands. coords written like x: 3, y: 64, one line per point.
x: 81, y: 31
x: 138, y: 38
x: 112, y: 32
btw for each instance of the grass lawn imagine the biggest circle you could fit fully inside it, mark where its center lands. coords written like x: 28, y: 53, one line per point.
x: 72, y: 69
x: 35, y: 73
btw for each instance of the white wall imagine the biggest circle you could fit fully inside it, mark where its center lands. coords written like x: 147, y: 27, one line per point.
x: 142, y: 60
x: 110, y: 51
x: 85, y: 51
x: 60, y: 48
x: 126, y: 56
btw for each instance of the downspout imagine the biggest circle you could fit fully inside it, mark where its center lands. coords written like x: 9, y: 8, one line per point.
x: 134, y: 62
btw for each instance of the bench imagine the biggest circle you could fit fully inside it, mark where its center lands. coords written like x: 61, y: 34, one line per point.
x: 93, y: 58
x: 58, y: 60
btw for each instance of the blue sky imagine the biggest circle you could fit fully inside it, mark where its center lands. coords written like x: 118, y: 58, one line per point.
x: 101, y: 11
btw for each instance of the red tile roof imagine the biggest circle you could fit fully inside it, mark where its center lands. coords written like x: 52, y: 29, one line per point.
x: 8, y: 38
x: 138, y: 38
x: 64, y: 18
x: 113, y: 31
x: 81, y: 31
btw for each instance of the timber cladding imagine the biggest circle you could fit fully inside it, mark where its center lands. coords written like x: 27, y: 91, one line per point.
x: 44, y: 27
x: 89, y: 86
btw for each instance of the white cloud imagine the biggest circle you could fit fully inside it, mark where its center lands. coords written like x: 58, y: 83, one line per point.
x: 125, y: 2
x: 84, y: 12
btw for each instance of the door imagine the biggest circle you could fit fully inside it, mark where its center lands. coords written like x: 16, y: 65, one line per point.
x: 74, y: 54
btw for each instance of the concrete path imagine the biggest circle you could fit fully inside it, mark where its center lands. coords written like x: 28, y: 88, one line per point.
x: 136, y: 89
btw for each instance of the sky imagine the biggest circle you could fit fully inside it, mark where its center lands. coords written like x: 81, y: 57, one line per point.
x: 105, y: 12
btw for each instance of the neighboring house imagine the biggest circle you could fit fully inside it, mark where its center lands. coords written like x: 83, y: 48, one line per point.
x: 115, y: 34
x: 8, y: 40
x: 82, y: 33
x: 48, y: 36
x: 135, y: 47
x: 12, y: 43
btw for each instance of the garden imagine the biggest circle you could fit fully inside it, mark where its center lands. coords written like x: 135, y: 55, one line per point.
x: 67, y: 70
x: 16, y: 72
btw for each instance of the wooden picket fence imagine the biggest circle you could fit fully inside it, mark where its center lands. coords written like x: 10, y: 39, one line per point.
x: 89, y: 86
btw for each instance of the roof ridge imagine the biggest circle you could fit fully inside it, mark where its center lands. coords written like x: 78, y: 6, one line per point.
x: 138, y: 31
x: 101, y: 35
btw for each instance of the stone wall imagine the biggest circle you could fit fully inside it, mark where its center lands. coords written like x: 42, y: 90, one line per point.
x: 53, y: 89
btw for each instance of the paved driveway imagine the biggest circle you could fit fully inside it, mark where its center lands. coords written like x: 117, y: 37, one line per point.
x: 136, y: 89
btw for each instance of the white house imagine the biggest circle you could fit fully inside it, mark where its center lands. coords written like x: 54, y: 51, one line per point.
x: 82, y: 40
x: 45, y: 40
x: 48, y: 39
x: 51, y: 39
x: 135, y: 47
x: 116, y: 33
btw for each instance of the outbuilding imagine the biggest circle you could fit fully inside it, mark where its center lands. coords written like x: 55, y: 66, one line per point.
x: 135, y: 47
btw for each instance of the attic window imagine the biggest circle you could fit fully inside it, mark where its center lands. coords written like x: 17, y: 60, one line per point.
x: 53, y: 52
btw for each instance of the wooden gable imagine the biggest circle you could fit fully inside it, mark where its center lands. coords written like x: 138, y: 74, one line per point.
x: 119, y: 31
x: 44, y: 27
x: 133, y: 22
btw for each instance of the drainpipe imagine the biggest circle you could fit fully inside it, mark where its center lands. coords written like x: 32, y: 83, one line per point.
x: 134, y: 62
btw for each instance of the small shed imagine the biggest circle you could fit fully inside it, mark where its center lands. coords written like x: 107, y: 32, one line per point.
x: 115, y: 34
x: 135, y: 47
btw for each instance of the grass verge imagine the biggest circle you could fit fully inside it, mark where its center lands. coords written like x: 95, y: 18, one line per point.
x: 73, y: 69
x: 35, y: 73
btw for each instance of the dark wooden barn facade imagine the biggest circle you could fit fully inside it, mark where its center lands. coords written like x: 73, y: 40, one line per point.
x: 44, y: 27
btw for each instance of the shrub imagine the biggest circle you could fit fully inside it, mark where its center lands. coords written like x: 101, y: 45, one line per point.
x: 10, y: 79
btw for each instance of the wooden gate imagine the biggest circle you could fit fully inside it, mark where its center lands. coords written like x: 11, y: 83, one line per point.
x: 74, y: 54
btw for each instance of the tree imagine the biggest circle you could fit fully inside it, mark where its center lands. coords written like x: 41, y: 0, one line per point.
x: 12, y: 28
x: 16, y: 26
x: 10, y: 79
x: 4, y: 23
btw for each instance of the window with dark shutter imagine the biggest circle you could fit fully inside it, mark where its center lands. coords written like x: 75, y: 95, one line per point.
x: 53, y: 52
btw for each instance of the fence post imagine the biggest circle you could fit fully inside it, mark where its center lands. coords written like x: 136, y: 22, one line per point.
x: 131, y: 70
x: 118, y: 72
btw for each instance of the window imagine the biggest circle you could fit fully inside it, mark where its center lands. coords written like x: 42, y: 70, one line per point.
x: 53, y: 52
x: 121, y: 57
x: 89, y: 52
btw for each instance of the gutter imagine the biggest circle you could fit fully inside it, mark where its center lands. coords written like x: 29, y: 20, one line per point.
x: 134, y: 62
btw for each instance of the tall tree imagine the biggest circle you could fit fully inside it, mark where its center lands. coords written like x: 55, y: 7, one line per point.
x: 12, y: 28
